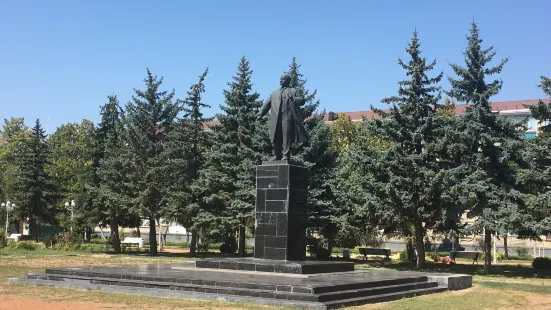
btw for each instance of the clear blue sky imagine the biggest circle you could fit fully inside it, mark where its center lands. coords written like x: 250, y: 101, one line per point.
x: 60, y: 59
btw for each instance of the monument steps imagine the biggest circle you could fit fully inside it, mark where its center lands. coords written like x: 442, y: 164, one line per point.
x: 322, y: 294
x: 368, y: 285
x: 375, y: 291
x: 174, y: 286
x: 382, y: 298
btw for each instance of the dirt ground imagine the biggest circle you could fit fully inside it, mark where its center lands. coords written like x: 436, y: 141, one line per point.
x: 24, y: 302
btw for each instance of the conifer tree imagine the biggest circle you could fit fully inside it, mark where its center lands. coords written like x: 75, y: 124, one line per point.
x: 39, y: 192
x: 113, y: 189
x: 13, y: 134
x: 232, y: 160
x: 184, y: 159
x: 150, y: 118
x: 487, y: 144
x: 299, y: 82
x: 405, y: 185
x: 535, y: 177
x: 317, y: 156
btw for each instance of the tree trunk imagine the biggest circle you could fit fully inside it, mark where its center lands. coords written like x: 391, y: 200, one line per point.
x: 114, y: 226
x: 36, y: 230
x: 487, y: 251
x: 89, y: 232
x: 420, y: 244
x: 505, y: 248
x: 330, y: 244
x: 193, y: 243
x: 152, y: 237
x: 242, y: 241
x: 410, y: 250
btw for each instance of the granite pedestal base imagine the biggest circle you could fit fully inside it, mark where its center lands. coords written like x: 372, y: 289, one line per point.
x: 320, y: 291
x: 277, y: 266
x: 280, y: 213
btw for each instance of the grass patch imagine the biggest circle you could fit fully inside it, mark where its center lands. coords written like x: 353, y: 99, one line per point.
x: 512, y: 286
x: 18, y: 263
x: 500, y: 270
x: 531, y: 288
x: 477, y: 298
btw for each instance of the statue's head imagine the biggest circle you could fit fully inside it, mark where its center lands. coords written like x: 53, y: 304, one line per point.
x: 285, y: 80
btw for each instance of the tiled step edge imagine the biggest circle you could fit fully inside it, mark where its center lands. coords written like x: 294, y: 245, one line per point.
x: 375, y: 291
x: 381, y: 298
x: 169, y: 293
x: 284, y: 295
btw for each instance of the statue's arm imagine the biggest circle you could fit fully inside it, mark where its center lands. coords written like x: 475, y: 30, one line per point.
x: 265, y: 107
x: 299, y: 100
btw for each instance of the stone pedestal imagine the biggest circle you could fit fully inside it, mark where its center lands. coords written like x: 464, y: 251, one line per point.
x: 281, y: 218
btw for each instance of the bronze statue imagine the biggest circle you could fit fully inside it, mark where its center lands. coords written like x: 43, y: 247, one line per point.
x: 285, y: 126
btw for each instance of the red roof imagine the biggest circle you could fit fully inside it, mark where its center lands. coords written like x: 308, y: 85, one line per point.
x: 459, y: 109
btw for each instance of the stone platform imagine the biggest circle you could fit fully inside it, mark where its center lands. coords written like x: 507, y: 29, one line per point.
x: 277, y: 266
x: 328, y: 290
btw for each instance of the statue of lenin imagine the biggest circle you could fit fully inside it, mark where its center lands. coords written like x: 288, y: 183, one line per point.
x: 285, y: 125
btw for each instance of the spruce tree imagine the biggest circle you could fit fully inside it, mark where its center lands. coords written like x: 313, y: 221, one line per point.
x: 232, y: 160
x: 299, y: 82
x: 13, y: 134
x: 321, y: 161
x: 39, y: 191
x: 113, y: 190
x: 487, y: 144
x: 535, y: 177
x: 150, y: 118
x: 317, y: 156
x: 184, y: 159
x: 404, y: 187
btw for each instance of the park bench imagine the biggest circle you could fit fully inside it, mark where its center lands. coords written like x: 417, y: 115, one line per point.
x: 374, y: 251
x: 465, y: 254
x: 130, y: 242
x: 15, y: 237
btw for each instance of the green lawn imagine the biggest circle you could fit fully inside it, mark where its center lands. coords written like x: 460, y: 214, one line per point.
x: 510, y: 286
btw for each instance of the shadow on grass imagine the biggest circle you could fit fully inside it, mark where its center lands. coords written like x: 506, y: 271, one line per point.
x: 503, y: 270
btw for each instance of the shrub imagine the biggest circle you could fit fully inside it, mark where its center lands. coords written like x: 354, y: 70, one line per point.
x: 227, y: 248
x: 3, y: 242
x: 49, y: 241
x: 25, y: 245
x: 403, y: 256
x: 521, y: 251
x: 203, y: 247
x: 97, y: 240
x: 542, y: 263
x: 323, y: 253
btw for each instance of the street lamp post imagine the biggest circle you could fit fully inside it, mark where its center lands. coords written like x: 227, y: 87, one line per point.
x: 8, y: 205
x: 71, y: 206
